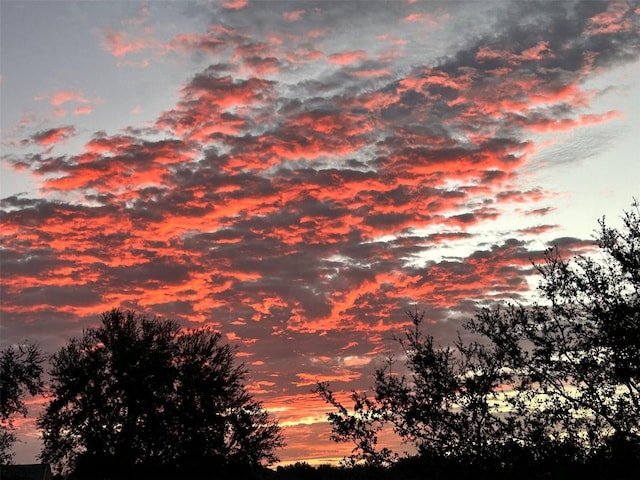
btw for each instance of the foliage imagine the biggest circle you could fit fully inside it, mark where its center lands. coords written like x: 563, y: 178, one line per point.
x: 445, y: 407
x: 20, y: 373
x: 304, y: 471
x: 577, y: 356
x: 557, y: 380
x: 141, y: 395
x: 624, y: 467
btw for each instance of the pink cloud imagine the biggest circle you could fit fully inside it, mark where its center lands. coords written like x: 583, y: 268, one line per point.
x: 118, y: 44
x: 543, y: 125
x: 217, y: 39
x: 136, y: 64
x: 63, y: 96
x: 381, y: 72
x: 59, y: 98
x: 235, y: 4
x: 53, y: 136
x: 139, y: 20
x: 83, y: 111
x: 420, y: 18
x: 279, y: 217
x: 346, y: 58
x: 538, y: 52
x: 434, y: 20
x: 293, y: 16
x: 317, y: 33
x: 611, y: 21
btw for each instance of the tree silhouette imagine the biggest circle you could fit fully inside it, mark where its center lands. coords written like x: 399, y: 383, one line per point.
x: 549, y: 383
x: 20, y: 373
x: 445, y: 406
x: 141, y: 396
x: 577, y: 355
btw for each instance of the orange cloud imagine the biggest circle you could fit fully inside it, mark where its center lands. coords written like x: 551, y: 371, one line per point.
x: 294, y: 15
x: 347, y: 58
x: 119, y: 44
x: 540, y: 51
x: 53, y: 135
x: 420, y: 18
x: 611, y: 21
x: 300, y: 201
x: 235, y: 4
x: 82, y: 111
x: 61, y: 97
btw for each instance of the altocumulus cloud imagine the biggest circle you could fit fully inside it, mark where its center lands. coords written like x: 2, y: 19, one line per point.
x: 328, y: 168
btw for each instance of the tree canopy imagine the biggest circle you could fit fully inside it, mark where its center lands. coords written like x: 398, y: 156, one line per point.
x: 20, y: 373
x: 556, y: 381
x: 139, y: 394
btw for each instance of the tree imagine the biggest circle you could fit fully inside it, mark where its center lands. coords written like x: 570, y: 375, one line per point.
x: 556, y: 381
x: 445, y: 407
x: 20, y: 373
x: 577, y: 354
x: 141, y: 395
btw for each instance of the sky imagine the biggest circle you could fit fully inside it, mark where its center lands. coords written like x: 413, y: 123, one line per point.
x: 299, y: 174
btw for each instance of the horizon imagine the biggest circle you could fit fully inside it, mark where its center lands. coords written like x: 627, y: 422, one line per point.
x: 298, y: 175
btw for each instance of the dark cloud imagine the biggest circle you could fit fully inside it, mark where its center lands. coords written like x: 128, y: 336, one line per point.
x: 60, y: 296
x: 53, y: 135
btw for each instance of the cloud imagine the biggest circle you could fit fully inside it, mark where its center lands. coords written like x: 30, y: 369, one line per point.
x: 53, y: 136
x: 63, y: 96
x: 613, y: 20
x: 344, y: 58
x: 82, y: 110
x: 119, y: 44
x: 293, y: 15
x: 235, y: 4
x: 535, y: 53
x: 141, y: 19
x: 303, y: 192
x: 59, y: 98
x: 420, y: 18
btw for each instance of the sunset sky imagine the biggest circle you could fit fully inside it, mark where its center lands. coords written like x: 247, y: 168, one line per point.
x: 299, y: 174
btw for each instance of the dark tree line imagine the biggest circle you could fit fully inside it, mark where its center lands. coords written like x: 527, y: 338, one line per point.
x: 550, y: 385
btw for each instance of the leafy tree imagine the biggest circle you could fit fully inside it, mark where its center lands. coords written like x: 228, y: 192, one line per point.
x: 140, y: 395
x: 557, y: 381
x: 20, y: 373
x: 445, y: 407
x: 577, y: 354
